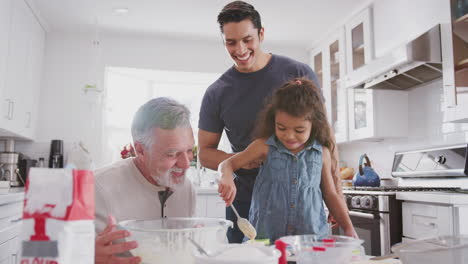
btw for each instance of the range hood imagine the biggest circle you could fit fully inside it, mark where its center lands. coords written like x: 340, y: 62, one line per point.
x: 414, y: 63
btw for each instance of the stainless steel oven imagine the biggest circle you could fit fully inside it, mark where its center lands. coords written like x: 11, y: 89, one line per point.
x: 376, y: 217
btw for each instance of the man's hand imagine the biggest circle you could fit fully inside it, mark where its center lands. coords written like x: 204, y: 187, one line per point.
x: 106, y: 248
x: 227, y: 189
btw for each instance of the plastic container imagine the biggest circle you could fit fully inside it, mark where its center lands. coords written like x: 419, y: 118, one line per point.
x: 444, y: 249
x: 241, y: 254
x: 164, y: 241
x: 312, y: 249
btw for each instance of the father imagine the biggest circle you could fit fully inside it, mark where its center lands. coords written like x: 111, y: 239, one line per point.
x: 233, y: 101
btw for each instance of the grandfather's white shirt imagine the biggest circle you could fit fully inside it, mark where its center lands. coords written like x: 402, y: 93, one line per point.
x: 122, y: 191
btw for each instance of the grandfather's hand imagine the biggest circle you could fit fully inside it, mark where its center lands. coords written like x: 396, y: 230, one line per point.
x: 106, y: 248
x: 227, y: 189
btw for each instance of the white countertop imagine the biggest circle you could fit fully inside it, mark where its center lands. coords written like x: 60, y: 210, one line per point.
x: 434, y: 197
x: 11, y: 195
x: 208, y: 189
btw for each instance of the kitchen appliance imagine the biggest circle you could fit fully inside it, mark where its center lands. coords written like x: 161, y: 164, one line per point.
x: 9, y: 164
x: 56, y: 154
x: 377, y: 214
x: 24, y: 165
x: 446, y: 161
x: 411, y: 64
x: 366, y: 176
x: 9, y: 168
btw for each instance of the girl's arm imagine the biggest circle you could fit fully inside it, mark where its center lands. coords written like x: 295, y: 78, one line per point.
x: 257, y: 150
x: 332, y: 198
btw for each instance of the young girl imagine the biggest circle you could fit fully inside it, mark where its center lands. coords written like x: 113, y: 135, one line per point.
x: 295, y: 143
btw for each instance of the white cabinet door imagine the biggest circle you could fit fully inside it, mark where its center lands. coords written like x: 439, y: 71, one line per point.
x: 200, y: 210
x: 5, y: 253
x: 17, y: 59
x: 422, y: 220
x: 398, y: 21
x: 34, y: 72
x: 455, y: 64
x: 359, y: 40
x: 5, y: 14
x: 328, y: 62
x: 335, y: 68
x: 316, y: 64
x: 23, y: 72
x: 215, y: 207
x: 377, y: 114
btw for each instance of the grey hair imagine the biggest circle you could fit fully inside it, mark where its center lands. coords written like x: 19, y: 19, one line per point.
x: 161, y: 112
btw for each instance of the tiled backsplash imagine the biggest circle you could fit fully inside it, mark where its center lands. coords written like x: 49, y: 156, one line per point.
x: 36, y: 150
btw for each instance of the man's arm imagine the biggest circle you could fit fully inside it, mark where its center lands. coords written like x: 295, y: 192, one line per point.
x: 335, y: 168
x: 209, y: 154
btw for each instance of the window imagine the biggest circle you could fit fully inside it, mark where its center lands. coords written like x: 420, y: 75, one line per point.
x: 127, y: 89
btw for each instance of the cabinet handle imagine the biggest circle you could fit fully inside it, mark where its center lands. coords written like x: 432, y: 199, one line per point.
x: 15, y: 258
x: 7, y: 116
x: 16, y: 220
x: 28, y: 123
x: 12, y: 109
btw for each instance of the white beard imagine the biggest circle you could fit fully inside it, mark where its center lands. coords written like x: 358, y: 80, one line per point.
x: 167, y: 180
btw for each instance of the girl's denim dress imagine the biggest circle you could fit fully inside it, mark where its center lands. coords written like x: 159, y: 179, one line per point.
x: 287, y: 199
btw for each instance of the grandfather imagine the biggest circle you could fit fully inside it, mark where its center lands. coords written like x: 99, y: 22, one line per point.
x: 150, y: 186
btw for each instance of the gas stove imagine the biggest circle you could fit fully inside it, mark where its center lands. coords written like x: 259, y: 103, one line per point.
x: 390, y: 190
x: 378, y: 198
x: 377, y: 214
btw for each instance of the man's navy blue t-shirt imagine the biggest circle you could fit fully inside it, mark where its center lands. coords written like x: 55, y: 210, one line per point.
x: 233, y: 101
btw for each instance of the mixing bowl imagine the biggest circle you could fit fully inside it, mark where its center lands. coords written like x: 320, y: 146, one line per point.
x: 443, y: 249
x: 165, y: 241
x: 313, y: 249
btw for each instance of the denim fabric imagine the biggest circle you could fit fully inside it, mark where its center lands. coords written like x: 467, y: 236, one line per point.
x: 234, y: 234
x: 287, y: 199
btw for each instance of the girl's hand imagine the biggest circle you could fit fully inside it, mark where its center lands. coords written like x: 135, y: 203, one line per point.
x: 351, y: 232
x: 227, y: 189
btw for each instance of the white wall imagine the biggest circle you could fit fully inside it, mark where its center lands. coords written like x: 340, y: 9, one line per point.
x: 70, y: 63
x: 426, y: 129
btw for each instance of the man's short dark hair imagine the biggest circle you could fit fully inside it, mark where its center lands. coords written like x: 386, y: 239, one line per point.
x: 236, y: 12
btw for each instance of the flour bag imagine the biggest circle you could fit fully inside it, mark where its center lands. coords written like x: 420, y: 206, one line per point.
x: 58, y: 217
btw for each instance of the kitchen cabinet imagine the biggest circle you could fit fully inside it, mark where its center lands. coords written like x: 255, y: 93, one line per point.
x: 377, y: 114
x: 429, y: 214
x: 19, y: 96
x: 455, y: 63
x: 328, y: 62
x: 359, y: 40
x: 398, y: 21
x: 422, y: 220
x: 5, y: 6
x: 11, y: 208
x: 209, y: 204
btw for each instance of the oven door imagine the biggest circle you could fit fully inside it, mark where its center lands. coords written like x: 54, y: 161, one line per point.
x: 373, y: 228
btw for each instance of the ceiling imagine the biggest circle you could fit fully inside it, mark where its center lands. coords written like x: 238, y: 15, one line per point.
x: 294, y: 22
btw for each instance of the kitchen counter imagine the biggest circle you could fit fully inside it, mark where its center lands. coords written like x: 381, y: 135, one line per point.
x: 11, y: 195
x: 208, y: 189
x: 434, y: 197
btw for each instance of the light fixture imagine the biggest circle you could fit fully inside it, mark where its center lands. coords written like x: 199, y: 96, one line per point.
x: 120, y: 10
